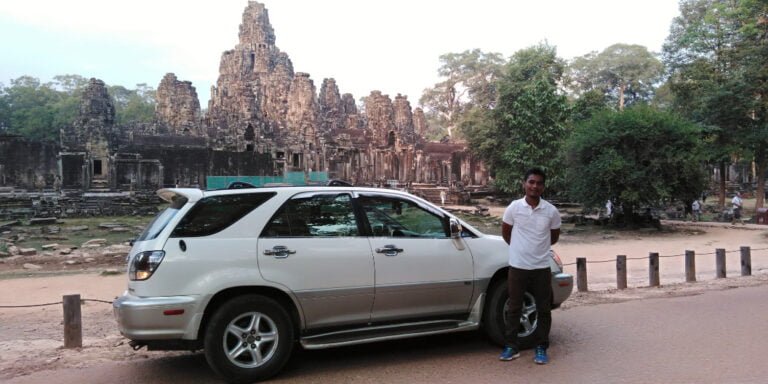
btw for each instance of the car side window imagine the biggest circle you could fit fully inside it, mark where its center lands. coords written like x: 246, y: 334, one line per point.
x: 314, y: 215
x: 215, y: 213
x: 395, y: 217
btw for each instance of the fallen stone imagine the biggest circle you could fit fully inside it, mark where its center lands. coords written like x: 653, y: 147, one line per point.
x: 72, y: 262
x: 48, y: 254
x: 77, y: 228
x: 65, y: 251
x: 10, y: 223
x: 50, y: 246
x: 114, y: 253
x: 31, y: 266
x: 13, y: 250
x: 97, y: 242
x: 55, y: 238
x: 109, y: 225
x: 27, y: 251
x: 4, y: 254
x: 120, y: 229
x: 42, y: 220
x: 52, y: 229
x: 89, y: 259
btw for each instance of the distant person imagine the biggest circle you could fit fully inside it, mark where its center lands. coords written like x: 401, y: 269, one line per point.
x: 696, y: 210
x: 443, y: 195
x: 608, y: 208
x: 530, y: 225
x: 737, y: 203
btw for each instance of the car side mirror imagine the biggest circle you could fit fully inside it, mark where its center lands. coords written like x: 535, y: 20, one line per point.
x: 455, y: 228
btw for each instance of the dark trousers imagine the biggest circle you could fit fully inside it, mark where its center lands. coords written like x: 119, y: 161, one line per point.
x: 538, y: 282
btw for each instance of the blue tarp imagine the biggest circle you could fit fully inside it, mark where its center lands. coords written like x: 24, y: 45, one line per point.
x: 292, y: 178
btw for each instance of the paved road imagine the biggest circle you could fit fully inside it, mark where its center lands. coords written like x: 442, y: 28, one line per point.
x: 714, y: 337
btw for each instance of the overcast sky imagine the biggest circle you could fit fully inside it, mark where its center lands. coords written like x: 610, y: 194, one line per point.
x: 392, y: 46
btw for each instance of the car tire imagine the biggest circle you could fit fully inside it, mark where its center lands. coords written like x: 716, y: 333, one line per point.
x: 494, y: 318
x: 249, y: 338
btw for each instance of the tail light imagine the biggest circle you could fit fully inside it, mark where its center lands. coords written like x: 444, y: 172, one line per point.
x: 144, y: 264
x: 556, y: 257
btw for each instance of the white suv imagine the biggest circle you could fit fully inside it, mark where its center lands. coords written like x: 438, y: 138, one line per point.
x: 244, y: 274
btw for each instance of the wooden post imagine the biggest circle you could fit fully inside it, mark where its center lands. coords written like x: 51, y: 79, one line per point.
x: 621, y: 271
x: 690, y: 266
x: 720, y: 263
x: 581, y: 274
x: 746, y: 261
x: 73, y: 325
x: 653, y: 269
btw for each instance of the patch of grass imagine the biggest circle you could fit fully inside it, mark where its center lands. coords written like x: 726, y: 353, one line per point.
x: 487, y: 224
x: 36, y: 235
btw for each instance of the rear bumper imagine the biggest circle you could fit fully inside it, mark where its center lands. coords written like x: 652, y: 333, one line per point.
x: 157, y: 318
x: 562, y: 286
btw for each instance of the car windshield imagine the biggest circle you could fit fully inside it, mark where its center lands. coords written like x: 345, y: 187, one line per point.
x: 162, y: 219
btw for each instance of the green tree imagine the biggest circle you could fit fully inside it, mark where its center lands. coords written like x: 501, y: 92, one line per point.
x: 752, y: 78
x: 133, y: 105
x: 40, y: 110
x: 67, y: 107
x: 588, y: 104
x: 626, y: 73
x: 470, y: 79
x: 5, y: 110
x: 716, y: 54
x: 639, y: 158
x: 30, y: 108
x: 528, y: 124
x: 70, y: 84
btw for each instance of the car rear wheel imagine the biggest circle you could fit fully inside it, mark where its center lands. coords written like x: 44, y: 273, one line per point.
x: 494, y: 319
x: 249, y: 338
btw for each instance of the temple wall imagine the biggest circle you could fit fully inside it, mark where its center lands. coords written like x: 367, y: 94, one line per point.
x: 27, y: 164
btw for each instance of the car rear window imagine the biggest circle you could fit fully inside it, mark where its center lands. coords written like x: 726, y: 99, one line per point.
x: 213, y: 214
x: 162, y: 219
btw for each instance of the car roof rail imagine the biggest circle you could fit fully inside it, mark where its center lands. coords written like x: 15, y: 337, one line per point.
x: 338, y: 183
x: 240, y: 185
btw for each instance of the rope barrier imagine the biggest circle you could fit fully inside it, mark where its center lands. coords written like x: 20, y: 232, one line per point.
x: 56, y: 303
x: 660, y: 256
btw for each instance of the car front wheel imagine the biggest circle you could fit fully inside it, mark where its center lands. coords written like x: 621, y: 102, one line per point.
x: 248, y: 339
x: 494, y: 319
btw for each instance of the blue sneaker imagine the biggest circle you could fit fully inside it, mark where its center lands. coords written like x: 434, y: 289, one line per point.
x: 509, y: 353
x: 541, y: 355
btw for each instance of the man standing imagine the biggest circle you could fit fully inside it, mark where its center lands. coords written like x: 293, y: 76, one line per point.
x: 696, y: 208
x: 530, y: 226
x: 737, y: 203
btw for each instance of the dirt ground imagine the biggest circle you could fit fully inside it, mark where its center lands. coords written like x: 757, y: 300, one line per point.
x: 31, y: 338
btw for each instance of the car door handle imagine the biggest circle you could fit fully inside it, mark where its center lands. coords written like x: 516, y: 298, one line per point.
x: 279, y: 252
x: 389, y: 250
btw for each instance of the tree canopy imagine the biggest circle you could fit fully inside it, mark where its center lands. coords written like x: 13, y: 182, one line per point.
x: 39, y: 110
x: 640, y: 157
x: 716, y: 55
x: 470, y: 81
x: 529, y: 122
x: 625, y: 73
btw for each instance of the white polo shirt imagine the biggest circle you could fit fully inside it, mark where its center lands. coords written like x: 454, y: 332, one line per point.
x: 531, y: 237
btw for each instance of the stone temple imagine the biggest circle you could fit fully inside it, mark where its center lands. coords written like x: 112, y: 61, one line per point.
x: 263, y: 119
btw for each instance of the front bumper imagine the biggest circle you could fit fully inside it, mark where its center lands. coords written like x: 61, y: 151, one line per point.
x: 157, y: 318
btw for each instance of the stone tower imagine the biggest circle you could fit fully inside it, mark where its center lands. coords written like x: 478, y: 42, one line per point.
x: 178, y: 108
x: 88, y: 141
x: 254, y: 81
